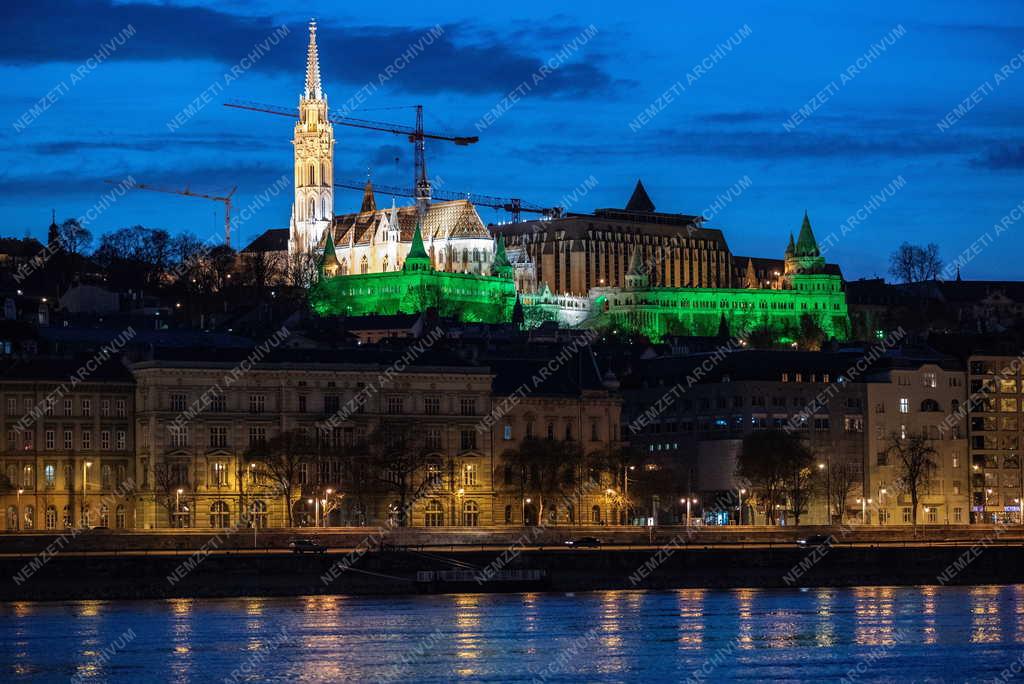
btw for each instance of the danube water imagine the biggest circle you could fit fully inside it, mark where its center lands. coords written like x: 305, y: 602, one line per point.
x: 897, y: 634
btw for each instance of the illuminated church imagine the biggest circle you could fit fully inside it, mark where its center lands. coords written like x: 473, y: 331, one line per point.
x: 372, y: 240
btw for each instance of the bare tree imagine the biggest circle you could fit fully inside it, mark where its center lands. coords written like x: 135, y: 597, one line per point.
x: 398, y: 459
x: 547, y: 468
x: 74, y: 237
x: 773, y: 461
x: 845, y: 474
x: 915, y: 264
x: 279, y: 460
x: 915, y: 464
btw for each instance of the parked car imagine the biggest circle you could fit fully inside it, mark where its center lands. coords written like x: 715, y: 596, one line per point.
x: 815, y: 540
x: 580, y: 542
x: 306, y: 546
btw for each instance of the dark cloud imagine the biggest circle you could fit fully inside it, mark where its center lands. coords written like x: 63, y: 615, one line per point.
x: 1003, y: 158
x: 228, y: 141
x: 456, y: 60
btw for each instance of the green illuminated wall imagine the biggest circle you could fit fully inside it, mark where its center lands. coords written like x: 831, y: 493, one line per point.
x: 466, y: 297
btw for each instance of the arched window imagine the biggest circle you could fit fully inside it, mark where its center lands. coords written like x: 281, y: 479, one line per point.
x: 465, y: 255
x: 470, y: 514
x: 954, y: 406
x: 312, y: 209
x: 595, y: 515
x: 344, y: 267
x: 364, y: 265
x: 258, y: 513
x: 86, y: 516
x: 104, y: 515
x: 325, y: 178
x: 312, y: 174
x: 219, y: 514
x: 476, y: 255
x: 51, y: 517
x: 508, y: 515
x: 384, y: 264
x: 120, y: 518
x: 433, y: 514
x: 30, y: 517
x: 323, y: 208
x: 66, y: 521
x: 393, y: 508
x: 12, y: 518
x: 930, y: 405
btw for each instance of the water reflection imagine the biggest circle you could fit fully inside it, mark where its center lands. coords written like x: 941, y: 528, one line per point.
x: 181, y: 665
x: 874, y: 608
x: 690, y: 603
x: 825, y: 629
x: 467, y: 635
x: 745, y: 613
x: 985, y: 626
x: 928, y: 610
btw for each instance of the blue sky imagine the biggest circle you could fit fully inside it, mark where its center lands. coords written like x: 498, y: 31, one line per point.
x: 877, y: 125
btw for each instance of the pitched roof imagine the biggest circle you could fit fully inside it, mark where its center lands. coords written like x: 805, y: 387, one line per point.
x: 640, y: 200
x: 272, y: 240
x: 369, y: 201
x: 453, y: 219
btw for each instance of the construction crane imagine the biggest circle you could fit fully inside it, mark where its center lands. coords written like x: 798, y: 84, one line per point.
x: 417, y: 136
x: 513, y: 205
x: 226, y: 199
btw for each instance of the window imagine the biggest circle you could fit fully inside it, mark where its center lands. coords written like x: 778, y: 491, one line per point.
x: 218, y: 404
x: 219, y: 514
x: 258, y: 513
x: 218, y: 436
x: 69, y: 440
x: 12, y: 406
x: 12, y: 440
x: 105, y: 439
x: 594, y: 436
x: 119, y: 517
x: 66, y: 520
x: 49, y: 406
x: 882, y: 459
x: 218, y: 474
x: 433, y: 514
x: 67, y: 407
x: 467, y: 406
x: 106, y: 476
x: 51, y: 517
x: 86, y: 439
x: 395, y: 405
x: 568, y: 432
x: 434, y: 474
x: 906, y: 515
x: 928, y: 380
x: 257, y: 403
x: 470, y: 514
x: 104, y: 515
x: 506, y: 432
x: 257, y: 435
x: 179, y: 436
x: 331, y: 403
x: 432, y: 405
x: 933, y: 514
x: 121, y: 408
x: 433, y: 438
x: 467, y: 439
x: 822, y: 424
x: 595, y: 515
x: 121, y: 440
x: 853, y: 423
x: 302, y: 403
x: 508, y: 515
x: 551, y: 430
x: 469, y: 475
x: 958, y: 515
x: 49, y: 475
x: 177, y: 402
x: 904, y: 405
x: 51, y: 440
x: 86, y: 407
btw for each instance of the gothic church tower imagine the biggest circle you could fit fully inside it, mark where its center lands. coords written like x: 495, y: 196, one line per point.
x: 313, y: 207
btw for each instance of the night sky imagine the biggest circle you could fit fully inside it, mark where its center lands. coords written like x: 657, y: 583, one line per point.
x: 876, y: 117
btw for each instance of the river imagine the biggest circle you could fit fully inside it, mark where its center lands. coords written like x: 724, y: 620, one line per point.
x: 866, y: 634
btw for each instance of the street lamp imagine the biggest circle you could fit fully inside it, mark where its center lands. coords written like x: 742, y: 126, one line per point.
x: 863, y: 510
x: 177, y: 507
x: 882, y: 514
x: 740, y: 514
x: 20, y: 491
x: 85, y: 483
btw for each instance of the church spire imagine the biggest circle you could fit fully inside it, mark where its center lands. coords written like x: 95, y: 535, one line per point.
x: 417, y: 259
x: 501, y: 265
x: 369, y: 201
x: 806, y: 245
x: 313, y: 89
x: 751, y: 278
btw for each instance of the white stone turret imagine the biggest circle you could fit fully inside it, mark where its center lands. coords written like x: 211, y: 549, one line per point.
x: 313, y: 207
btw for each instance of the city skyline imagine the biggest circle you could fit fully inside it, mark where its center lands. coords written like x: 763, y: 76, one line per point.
x: 797, y: 112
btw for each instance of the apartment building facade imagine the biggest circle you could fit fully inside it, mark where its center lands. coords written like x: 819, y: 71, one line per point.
x: 68, y: 453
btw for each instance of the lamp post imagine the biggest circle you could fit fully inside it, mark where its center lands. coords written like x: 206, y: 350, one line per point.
x: 526, y: 500
x: 739, y: 515
x: 17, y: 519
x: 828, y: 492
x: 625, y: 488
x: 85, y: 485
x: 863, y: 510
x: 177, y: 507
x: 882, y: 515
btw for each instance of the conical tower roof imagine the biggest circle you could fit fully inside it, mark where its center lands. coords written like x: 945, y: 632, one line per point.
x: 369, y: 201
x: 329, y: 259
x: 791, y: 247
x: 417, y: 251
x: 806, y: 245
x: 640, y: 200
x: 500, y: 257
x: 313, y: 89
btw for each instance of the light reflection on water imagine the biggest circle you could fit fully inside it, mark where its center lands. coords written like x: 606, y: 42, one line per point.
x: 905, y: 634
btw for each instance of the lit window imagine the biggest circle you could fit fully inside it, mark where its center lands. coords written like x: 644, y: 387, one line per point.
x: 904, y: 405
